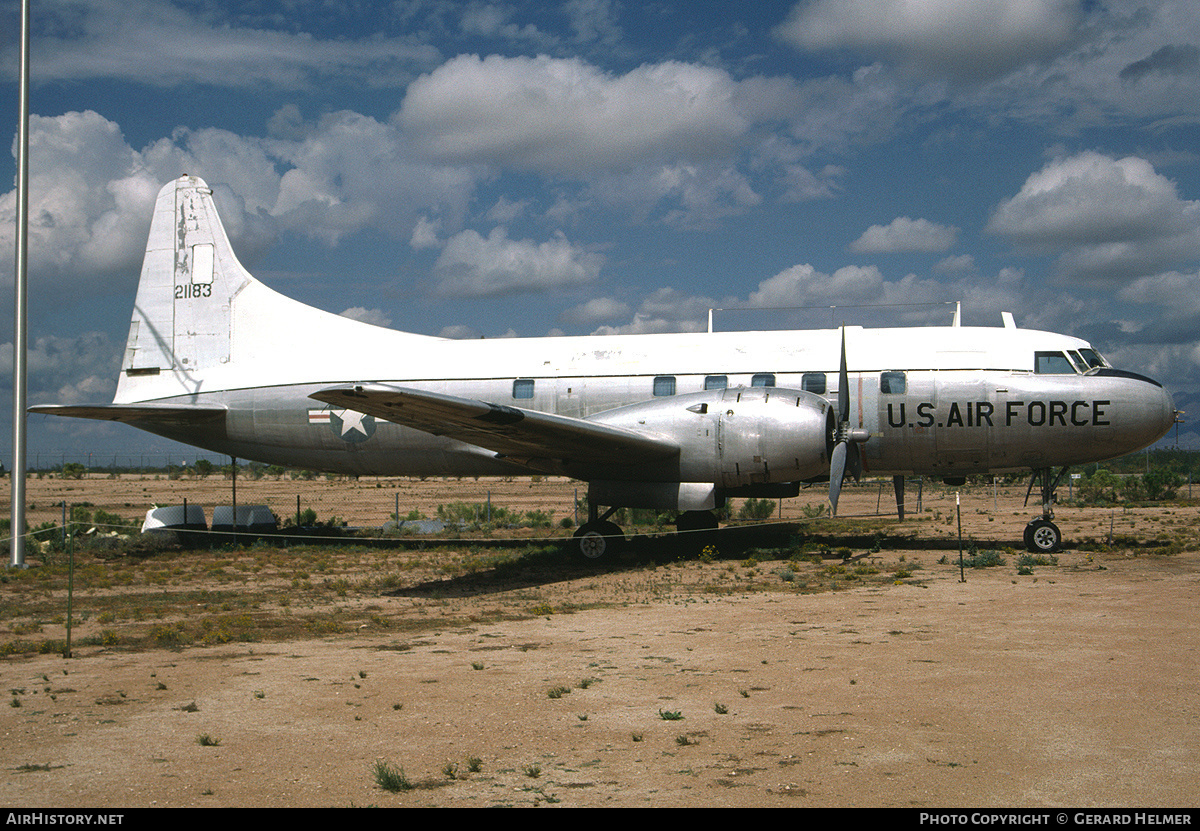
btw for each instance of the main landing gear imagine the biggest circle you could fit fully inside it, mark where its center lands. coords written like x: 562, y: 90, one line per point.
x: 1041, y: 534
x: 599, y: 539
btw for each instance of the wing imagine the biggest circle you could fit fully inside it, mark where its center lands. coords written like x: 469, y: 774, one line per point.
x: 168, y: 414
x: 523, y: 436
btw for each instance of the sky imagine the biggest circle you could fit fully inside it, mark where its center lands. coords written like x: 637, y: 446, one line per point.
x: 503, y: 169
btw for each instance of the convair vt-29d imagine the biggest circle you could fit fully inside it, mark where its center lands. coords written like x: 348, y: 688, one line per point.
x: 675, y: 421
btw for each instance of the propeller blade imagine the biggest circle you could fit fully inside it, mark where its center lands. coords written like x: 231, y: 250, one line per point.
x: 843, y: 386
x: 898, y: 483
x: 837, y: 472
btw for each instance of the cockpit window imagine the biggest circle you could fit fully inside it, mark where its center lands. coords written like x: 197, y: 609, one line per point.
x: 1052, y: 363
x: 1094, y: 361
x: 1077, y: 360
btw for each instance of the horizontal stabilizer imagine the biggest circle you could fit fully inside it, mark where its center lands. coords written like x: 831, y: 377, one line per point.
x: 520, y: 435
x: 168, y: 414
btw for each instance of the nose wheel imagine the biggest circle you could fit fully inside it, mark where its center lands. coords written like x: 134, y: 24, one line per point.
x: 1041, y: 534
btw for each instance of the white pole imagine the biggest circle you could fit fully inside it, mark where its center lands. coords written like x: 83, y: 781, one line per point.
x: 20, y: 302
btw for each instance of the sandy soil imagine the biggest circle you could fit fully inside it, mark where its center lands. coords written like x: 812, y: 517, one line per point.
x: 1071, y: 686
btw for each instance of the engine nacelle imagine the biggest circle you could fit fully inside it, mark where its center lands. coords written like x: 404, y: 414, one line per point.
x: 739, y: 436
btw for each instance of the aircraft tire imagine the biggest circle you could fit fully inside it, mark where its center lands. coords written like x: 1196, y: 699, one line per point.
x: 597, y: 541
x: 1042, y: 537
x: 697, y: 529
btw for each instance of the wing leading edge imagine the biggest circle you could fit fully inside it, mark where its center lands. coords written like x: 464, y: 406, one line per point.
x: 543, y: 441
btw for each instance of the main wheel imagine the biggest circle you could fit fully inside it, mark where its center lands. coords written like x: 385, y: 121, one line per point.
x: 596, y: 540
x: 1042, y: 537
x: 697, y: 529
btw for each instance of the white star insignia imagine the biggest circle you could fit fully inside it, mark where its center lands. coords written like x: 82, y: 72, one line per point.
x: 352, y: 420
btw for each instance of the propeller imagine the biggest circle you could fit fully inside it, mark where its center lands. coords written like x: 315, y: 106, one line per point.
x: 841, y: 457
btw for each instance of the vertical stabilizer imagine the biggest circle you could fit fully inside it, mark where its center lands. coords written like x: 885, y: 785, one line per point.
x: 201, y: 323
x: 181, y: 317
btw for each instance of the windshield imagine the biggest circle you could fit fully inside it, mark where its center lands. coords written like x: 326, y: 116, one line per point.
x: 1052, y: 363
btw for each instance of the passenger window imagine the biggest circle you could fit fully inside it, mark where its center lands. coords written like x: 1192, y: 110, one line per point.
x: 813, y: 382
x: 893, y: 383
x: 523, y: 388
x: 664, y: 385
x: 1052, y: 363
x: 716, y: 382
x: 763, y: 379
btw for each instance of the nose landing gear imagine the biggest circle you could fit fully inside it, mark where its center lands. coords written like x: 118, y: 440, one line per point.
x: 1041, y: 534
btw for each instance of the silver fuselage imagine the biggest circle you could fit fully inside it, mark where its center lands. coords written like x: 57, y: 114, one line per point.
x: 218, y: 360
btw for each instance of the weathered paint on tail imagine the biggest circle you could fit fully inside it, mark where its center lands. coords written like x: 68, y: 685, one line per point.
x: 201, y: 322
x: 190, y: 274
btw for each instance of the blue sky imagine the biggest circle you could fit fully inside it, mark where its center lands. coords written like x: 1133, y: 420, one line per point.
x: 523, y: 169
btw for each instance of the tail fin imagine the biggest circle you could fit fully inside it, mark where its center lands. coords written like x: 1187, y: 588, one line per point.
x: 190, y: 274
x: 201, y: 322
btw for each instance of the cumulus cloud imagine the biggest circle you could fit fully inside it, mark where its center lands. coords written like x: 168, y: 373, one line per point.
x: 905, y: 234
x: 645, y: 324
x: 90, y: 198
x: 594, y: 311
x: 472, y: 265
x: 92, y: 194
x: 1176, y: 289
x: 910, y: 300
x: 683, y: 195
x: 353, y: 172
x: 1107, y: 217
x: 970, y: 39
x: 565, y: 116
x: 801, y: 285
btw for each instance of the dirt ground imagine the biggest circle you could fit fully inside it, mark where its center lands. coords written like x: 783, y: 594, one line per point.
x: 1071, y: 686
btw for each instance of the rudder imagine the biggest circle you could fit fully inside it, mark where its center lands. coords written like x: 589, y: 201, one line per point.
x: 181, y: 317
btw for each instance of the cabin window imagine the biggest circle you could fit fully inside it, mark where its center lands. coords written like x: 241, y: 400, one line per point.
x: 716, y: 382
x: 523, y: 388
x: 1052, y: 363
x: 893, y: 383
x: 763, y: 379
x: 813, y: 382
x: 664, y: 385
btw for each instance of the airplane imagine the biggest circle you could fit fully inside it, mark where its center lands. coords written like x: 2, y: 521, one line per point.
x: 678, y: 422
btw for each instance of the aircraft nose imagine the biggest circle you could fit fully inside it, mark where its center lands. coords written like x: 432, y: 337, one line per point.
x: 1160, y: 412
x: 1170, y: 414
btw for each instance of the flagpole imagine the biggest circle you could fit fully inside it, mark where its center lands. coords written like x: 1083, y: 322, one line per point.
x: 20, y: 302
